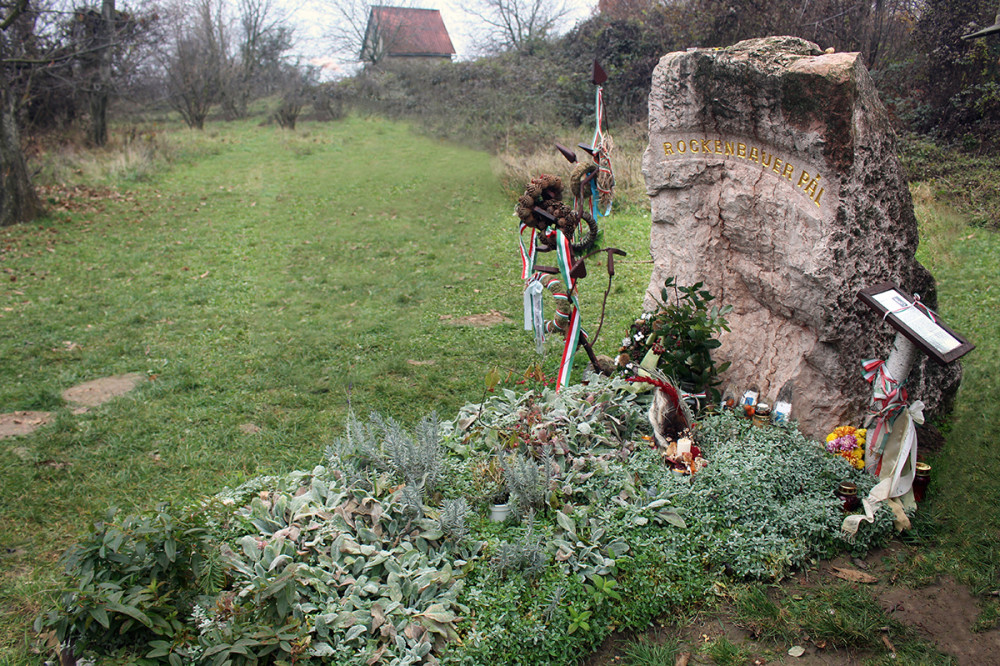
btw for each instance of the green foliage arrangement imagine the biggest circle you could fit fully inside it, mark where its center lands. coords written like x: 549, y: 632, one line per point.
x: 678, y: 339
x: 347, y: 564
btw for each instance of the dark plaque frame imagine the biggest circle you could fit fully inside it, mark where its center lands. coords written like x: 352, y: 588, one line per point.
x: 867, y: 296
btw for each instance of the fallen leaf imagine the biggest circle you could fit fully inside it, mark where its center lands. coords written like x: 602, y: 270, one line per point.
x: 888, y: 644
x: 796, y: 651
x: 854, y: 576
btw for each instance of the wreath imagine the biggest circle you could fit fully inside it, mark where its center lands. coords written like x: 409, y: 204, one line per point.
x: 544, y: 193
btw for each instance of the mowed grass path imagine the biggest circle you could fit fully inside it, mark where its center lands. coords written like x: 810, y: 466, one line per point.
x: 268, y: 278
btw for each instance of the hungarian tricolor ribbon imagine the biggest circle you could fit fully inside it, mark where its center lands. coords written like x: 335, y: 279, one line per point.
x: 564, y: 257
x: 599, y: 117
x: 603, y: 159
x: 915, y: 304
x: 527, y: 254
x: 888, y: 401
x: 876, y: 374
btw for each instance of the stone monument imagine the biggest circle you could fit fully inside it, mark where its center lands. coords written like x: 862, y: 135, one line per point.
x: 774, y: 178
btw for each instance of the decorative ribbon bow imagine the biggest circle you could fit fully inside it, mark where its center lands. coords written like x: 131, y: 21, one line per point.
x: 915, y: 304
x: 876, y: 374
x: 888, y: 401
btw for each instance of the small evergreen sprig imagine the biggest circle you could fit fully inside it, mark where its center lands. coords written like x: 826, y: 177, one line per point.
x: 383, y: 444
x: 452, y: 519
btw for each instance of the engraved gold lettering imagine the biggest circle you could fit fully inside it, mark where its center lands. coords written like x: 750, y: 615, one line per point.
x: 811, y: 187
x: 808, y: 183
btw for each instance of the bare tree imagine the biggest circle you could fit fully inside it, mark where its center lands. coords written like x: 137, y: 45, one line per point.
x: 263, y: 36
x: 518, y: 25
x: 196, y: 60
x: 360, y: 30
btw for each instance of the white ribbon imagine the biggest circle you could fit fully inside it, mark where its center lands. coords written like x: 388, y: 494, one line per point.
x: 899, y: 461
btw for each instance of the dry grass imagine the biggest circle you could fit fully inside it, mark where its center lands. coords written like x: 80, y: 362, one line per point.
x: 514, y: 168
x: 130, y: 156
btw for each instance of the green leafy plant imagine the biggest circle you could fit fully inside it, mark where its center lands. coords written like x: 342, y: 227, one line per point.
x: 678, y: 338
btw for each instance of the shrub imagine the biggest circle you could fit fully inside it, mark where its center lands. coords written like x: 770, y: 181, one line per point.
x: 351, y: 563
x: 679, y: 336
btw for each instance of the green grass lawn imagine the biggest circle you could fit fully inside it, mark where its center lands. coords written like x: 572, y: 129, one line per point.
x: 280, y: 279
x: 267, y: 278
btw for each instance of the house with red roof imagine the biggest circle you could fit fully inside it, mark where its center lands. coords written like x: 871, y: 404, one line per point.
x: 404, y: 33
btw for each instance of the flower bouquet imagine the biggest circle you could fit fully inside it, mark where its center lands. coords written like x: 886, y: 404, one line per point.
x: 848, y: 442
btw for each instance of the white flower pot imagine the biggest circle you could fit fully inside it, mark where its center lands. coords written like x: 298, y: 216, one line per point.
x: 499, y: 512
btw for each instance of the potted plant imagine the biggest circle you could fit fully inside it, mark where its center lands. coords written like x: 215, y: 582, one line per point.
x: 500, y: 505
x: 492, y: 486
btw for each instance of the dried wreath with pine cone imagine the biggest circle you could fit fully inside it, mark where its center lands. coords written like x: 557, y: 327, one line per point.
x: 545, y: 193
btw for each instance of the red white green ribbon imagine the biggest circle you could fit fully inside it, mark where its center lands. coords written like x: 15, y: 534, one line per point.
x: 564, y: 256
x: 527, y: 255
x: 918, y: 304
x: 603, y: 159
x: 876, y: 374
x: 888, y: 402
x: 599, y: 119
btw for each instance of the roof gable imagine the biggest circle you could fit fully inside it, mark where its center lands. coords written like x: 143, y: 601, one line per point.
x: 409, y: 32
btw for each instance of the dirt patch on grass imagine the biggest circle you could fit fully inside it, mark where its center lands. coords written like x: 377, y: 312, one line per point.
x: 99, y: 391
x: 944, y: 613
x: 491, y: 318
x: 16, y: 424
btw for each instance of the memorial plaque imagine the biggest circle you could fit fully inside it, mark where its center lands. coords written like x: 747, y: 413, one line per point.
x: 921, y: 326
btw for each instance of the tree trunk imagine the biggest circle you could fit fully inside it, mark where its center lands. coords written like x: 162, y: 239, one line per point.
x: 18, y: 201
x: 102, y: 86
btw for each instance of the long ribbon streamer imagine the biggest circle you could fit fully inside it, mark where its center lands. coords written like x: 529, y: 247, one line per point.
x: 564, y: 255
x: 527, y: 255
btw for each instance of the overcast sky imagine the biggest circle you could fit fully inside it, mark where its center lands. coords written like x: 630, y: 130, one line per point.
x: 312, y: 22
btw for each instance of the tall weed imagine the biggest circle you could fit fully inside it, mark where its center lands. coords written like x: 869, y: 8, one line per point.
x: 131, y: 156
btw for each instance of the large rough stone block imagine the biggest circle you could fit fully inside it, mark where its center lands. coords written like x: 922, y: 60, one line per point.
x: 774, y: 179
